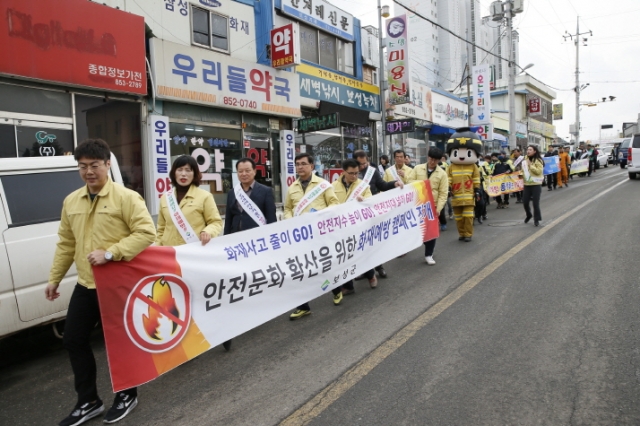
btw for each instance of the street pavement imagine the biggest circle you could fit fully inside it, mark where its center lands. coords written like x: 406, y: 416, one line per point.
x: 521, y: 326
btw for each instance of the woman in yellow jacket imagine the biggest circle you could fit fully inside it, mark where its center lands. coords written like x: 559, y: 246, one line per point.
x: 197, y: 206
x: 533, y: 168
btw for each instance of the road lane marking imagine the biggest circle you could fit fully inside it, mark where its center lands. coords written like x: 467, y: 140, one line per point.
x: 316, y: 405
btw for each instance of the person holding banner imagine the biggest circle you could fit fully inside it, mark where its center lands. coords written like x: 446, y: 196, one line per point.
x: 517, y: 167
x: 348, y: 188
x: 101, y: 222
x: 532, y: 169
x: 377, y: 185
x: 563, y: 174
x: 502, y: 166
x: 439, y: 188
x: 188, y: 214
x: 399, y: 171
x: 309, y: 193
x: 552, y: 179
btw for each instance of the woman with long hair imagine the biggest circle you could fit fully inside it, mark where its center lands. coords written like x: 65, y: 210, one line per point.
x: 532, y: 168
x: 187, y: 201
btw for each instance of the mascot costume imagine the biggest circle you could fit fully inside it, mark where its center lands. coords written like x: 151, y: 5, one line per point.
x: 464, y: 149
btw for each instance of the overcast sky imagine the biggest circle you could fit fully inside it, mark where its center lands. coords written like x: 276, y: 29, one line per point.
x: 609, y: 62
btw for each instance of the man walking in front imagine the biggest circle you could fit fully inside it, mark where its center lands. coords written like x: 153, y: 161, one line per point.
x: 100, y: 222
x: 399, y: 171
x: 309, y: 193
x: 439, y: 188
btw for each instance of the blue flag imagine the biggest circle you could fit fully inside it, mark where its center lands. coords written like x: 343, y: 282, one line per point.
x: 551, y: 165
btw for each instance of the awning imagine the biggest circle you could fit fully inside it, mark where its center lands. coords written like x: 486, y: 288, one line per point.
x: 347, y: 115
x: 440, y: 130
x: 499, y: 137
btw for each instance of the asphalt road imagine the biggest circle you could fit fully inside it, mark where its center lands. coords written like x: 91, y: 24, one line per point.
x: 521, y: 326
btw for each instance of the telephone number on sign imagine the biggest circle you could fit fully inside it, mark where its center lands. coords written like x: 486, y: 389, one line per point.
x: 134, y: 84
x: 244, y: 103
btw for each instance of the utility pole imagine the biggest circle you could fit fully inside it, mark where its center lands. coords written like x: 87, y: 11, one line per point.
x: 577, y: 89
x: 511, y: 89
x: 382, y: 78
x: 468, y: 70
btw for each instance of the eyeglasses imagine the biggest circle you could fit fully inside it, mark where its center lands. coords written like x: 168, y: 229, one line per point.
x: 302, y: 164
x: 352, y: 173
x: 92, y: 166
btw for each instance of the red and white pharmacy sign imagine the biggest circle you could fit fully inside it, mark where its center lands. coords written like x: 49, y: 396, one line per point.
x: 285, y: 49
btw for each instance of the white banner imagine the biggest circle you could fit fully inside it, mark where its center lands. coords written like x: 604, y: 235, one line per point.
x: 321, y: 14
x: 159, y: 145
x: 287, y: 163
x: 449, y: 112
x: 480, y: 78
x: 421, y: 103
x: 200, y: 76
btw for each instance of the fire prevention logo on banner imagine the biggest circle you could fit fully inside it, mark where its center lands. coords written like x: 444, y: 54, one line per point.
x: 157, y: 312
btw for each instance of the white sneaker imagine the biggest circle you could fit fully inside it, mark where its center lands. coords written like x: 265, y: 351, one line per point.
x: 429, y: 260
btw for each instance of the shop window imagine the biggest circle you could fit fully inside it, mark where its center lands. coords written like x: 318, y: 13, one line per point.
x: 324, y: 146
x: 46, y: 192
x: 8, y: 141
x: 44, y: 141
x: 210, y: 29
x: 215, y: 149
x: 26, y: 100
x: 326, y: 49
x: 118, y: 124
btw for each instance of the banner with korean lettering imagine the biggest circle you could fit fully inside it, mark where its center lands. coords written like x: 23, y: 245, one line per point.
x: 551, y: 165
x: 285, y: 46
x: 504, y: 184
x: 287, y: 164
x: 398, y: 74
x: 200, y: 76
x: 159, y: 145
x: 480, y: 78
x: 170, y: 304
x: 580, y: 166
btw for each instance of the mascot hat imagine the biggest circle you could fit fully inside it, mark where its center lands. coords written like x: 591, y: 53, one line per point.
x: 465, y: 138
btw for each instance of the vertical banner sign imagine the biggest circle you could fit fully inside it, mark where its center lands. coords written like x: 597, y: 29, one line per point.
x: 159, y: 148
x: 534, y: 106
x: 170, y: 304
x: 398, y: 60
x: 486, y: 131
x: 481, y: 76
x: 557, y: 112
x: 285, y: 49
x: 287, y: 163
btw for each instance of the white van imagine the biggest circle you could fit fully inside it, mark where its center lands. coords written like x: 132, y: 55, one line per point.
x: 31, y: 194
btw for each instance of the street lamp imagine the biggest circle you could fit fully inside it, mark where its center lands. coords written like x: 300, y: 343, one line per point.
x: 383, y: 12
x: 526, y: 67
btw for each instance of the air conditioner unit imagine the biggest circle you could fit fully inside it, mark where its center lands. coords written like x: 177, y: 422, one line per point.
x: 518, y: 6
x: 497, y: 12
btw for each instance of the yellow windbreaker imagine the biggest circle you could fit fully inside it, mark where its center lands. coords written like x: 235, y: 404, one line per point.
x: 295, y: 194
x: 388, y: 177
x: 200, y: 210
x: 343, y: 194
x: 463, y: 180
x: 116, y: 221
x: 439, y: 183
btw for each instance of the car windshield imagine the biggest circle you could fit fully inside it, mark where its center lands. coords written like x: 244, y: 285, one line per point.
x: 636, y: 141
x: 625, y: 144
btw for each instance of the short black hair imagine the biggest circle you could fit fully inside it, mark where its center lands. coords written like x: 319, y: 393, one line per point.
x: 185, y: 160
x: 435, y: 153
x: 350, y: 163
x: 398, y: 151
x: 246, y: 160
x: 302, y: 155
x: 361, y: 154
x: 94, y: 149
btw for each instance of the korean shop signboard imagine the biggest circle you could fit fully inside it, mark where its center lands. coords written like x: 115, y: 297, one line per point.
x: 199, y: 76
x: 285, y: 49
x: 400, y: 126
x: 481, y: 77
x: 398, y: 60
x: 74, y: 42
x: 322, y: 122
x: 321, y: 14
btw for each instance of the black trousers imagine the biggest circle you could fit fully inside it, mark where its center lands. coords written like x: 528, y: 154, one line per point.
x: 552, y: 180
x: 349, y: 284
x: 429, y: 247
x: 442, y: 217
x: 503, y: 199
x: 82, y: 316
x: 532, y: 193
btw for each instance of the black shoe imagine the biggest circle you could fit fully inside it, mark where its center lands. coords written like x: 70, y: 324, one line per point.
x: 83, y: 412
x: 536, y: 223
x: 484, y: 217
x: 480, y: 220
x: 382, y: 273
x: 460, y: 238
x: 467, y: 239
x: 527, y: 219
x: 227, y: 345
x: 550, y: 189
x: 123, y: 404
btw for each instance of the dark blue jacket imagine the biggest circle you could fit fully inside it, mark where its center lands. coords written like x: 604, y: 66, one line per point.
x: 263, y: 197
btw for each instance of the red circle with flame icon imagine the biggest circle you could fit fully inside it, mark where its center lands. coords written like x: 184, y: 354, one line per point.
x: 158, y: 312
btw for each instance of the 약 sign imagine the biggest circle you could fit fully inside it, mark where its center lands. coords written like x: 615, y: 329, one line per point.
x: 285, y: 51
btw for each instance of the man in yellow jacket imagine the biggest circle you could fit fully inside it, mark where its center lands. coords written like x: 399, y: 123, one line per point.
x: 439, y: 188
x: 100, y: 222
x: 349, y: 188
x: 399, y: 171
x: 309, y: 193
x: 464, y: 147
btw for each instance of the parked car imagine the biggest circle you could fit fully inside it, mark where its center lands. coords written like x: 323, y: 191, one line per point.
x: 623, y: 151
x: 633, y: 157
x: 31, y: 194
x: 603, y: 156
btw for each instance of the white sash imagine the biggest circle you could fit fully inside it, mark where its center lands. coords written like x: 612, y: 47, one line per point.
x: 381, y: 170
x: 518, y: 161
x: 394, y: 172
x: 249, y: 206
x: 311, y: 196
x: 527, y: 176
x: 179, y: 221
x: 363, y: 185
x: 585, y: 155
